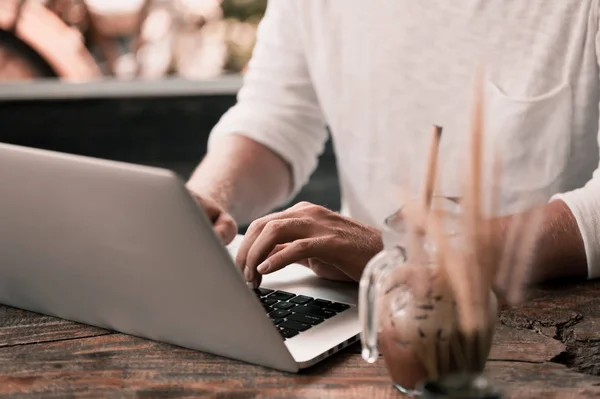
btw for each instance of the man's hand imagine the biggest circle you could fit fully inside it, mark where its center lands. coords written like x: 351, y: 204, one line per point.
x: 223, y: 224
x: 332, y: 245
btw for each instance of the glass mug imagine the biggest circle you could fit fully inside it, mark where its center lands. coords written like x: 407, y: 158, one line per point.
x: 408, y: 311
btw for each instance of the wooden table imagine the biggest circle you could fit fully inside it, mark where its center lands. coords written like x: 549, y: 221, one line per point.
x: 549, y: 348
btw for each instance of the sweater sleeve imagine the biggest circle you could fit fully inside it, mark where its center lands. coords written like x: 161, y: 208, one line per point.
x: 584, y: 204
x: 277, y: 105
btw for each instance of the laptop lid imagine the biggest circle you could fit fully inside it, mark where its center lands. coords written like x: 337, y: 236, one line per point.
x: 126, y: 248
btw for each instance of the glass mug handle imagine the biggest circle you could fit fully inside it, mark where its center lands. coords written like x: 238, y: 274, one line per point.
x: 369, y: 294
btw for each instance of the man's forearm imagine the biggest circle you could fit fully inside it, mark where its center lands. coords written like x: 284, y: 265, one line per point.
x: 560, y: 249
x: 244, y: 177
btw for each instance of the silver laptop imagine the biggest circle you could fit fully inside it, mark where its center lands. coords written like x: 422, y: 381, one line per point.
x: 126, y: 248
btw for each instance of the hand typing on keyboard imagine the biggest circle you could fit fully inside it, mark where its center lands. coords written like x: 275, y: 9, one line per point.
x: 332, y: 245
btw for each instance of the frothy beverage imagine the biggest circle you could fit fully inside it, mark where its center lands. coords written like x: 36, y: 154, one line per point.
x: 420, y: 336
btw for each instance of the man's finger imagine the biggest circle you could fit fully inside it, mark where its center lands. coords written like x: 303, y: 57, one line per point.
x: 225, y: 227
x: 292, y: 253
x: 277, y: 248
x: 223, y: 224
x: 210, y: 208
x: 252, y: 233
x: 274, y: 233
x: 255, y: 229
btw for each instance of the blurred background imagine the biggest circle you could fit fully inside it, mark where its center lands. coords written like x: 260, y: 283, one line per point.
x: 149, y: 39
x: 140, y: 81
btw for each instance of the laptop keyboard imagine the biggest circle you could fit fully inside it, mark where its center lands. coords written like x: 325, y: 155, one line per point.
x: 293, y: 314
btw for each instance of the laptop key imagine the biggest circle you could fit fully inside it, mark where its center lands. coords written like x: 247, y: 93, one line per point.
x: 276, y: 321
x: 287, y: 333
x: 269, y: 309
x: 294, y: 325
x: 301, y: 299
x: 328, y: 313
x: 262, y: 291
x: 268, y: 301
x: 321, y: 303
x: 305, y: 318
x: 279, y: 313
x: 281, y: 295
x: 283, y: 305
x: 309, y: 309
x: 338, y: 307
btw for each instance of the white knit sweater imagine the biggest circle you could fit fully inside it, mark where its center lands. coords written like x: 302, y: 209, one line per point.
x: 380, y: 73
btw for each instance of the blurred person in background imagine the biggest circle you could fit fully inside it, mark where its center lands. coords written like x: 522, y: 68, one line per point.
x: 379, y: 75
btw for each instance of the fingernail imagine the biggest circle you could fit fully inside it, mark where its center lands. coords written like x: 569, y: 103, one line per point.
x: 248, y: 274
x: 252, y: 284
x: 263, y: 267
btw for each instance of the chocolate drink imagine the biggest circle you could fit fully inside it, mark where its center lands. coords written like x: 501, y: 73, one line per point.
x: 419, y: 333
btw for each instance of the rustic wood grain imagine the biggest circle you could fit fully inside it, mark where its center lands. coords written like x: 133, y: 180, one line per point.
x: 573, y: 312
x: 520, y: 345
x: 547, y: 348
x: 108, y: 365
x: 97, y: 366
x: 542, y: 380
x: 19, y: 327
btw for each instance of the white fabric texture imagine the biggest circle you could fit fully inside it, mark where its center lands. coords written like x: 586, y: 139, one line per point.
x: 381, y: 73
